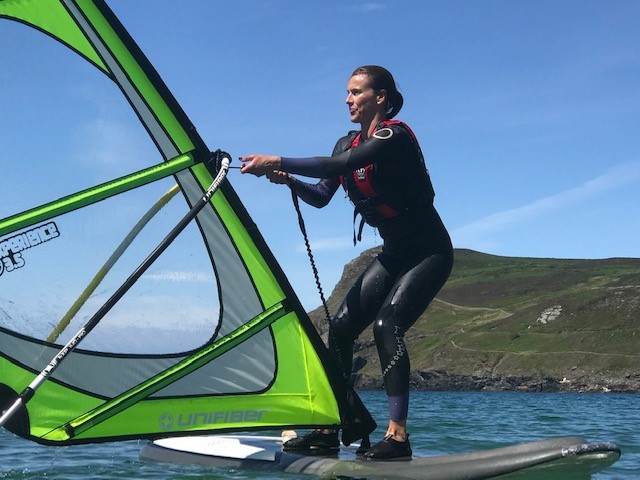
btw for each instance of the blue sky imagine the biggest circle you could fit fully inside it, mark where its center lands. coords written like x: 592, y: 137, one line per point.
x: 528, y: 112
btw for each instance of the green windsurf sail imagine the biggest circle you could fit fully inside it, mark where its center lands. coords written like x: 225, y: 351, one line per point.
x: 212, y: 337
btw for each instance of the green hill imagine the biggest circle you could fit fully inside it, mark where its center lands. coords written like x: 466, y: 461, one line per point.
x: 503, y: 323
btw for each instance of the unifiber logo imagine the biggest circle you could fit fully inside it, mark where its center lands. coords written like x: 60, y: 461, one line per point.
x: 166, y: 421
x: 194, y: 419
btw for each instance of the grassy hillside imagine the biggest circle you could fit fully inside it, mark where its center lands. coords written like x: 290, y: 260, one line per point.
x: 518, y: 323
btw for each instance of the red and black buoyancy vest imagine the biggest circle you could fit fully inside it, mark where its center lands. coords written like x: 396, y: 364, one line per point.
x: 378, y: 201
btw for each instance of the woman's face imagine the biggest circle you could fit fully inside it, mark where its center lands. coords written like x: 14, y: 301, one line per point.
x: 363, y: 102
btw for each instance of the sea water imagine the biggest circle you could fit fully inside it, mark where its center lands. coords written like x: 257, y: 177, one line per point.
x: 440, y: 423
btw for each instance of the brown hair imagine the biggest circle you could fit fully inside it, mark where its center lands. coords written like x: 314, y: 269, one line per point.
x: 380, y: 78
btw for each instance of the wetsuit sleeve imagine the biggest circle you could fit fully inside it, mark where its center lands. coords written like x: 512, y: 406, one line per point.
x: 318, y: 194
x: 376, y: 149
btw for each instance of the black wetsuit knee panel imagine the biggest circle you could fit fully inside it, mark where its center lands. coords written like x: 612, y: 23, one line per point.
x: 341, y: 328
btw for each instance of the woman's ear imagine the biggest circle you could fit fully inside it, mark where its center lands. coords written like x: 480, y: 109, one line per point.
x: 381, y: 97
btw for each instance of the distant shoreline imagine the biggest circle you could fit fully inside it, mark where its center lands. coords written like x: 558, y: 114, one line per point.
x: 439, y: 381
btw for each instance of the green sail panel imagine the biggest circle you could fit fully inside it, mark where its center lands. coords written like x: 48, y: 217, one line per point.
x: 212, y: 338
x: 51, y: 17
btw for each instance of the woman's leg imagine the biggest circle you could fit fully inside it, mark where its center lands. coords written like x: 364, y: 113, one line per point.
x: 409, y: 297
x: 358, y: 310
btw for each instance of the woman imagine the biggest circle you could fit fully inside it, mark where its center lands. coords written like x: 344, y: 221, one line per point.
x: 383, y: 171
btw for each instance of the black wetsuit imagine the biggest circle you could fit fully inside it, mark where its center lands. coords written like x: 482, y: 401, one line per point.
x: 416, y: 257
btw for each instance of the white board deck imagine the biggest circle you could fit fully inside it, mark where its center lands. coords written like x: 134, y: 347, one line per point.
x: 565, y: 457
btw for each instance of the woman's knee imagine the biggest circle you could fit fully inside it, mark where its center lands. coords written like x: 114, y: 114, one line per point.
x: 341, y: 328
x: 389, y: 337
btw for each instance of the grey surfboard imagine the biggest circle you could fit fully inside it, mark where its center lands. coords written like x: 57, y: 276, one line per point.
x: 565, y: 457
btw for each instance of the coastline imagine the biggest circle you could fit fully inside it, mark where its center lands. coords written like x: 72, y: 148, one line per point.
x: 441, y: 381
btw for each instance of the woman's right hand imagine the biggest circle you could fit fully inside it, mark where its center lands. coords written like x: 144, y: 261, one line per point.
x: 259, y: 165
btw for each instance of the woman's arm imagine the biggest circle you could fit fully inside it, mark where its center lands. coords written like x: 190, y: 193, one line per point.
x: 318, y: 194
x: 379, y: 147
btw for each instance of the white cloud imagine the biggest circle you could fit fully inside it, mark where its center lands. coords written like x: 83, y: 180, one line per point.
x: 327, y: 244
x: 372, y: 6
x: 110, y: 143
x: 340, y: 243
x: 179, y: 277
x: 477, y: 232
x: 367, y: 7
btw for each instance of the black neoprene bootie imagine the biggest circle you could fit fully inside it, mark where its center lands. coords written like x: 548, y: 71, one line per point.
x: 313, y: 441
x: 390, y: 449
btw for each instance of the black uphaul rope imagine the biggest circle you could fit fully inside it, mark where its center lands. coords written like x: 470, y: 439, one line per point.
x: 296, y: 204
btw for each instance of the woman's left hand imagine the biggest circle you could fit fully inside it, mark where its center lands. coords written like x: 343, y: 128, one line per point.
x: 259, y: 165
x: 276, y: 176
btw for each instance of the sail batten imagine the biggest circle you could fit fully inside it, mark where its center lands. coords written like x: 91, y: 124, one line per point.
x: 94, y: 194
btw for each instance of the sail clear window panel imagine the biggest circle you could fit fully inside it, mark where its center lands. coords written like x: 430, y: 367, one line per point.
x: 65, y: 126
x: 173, y: 308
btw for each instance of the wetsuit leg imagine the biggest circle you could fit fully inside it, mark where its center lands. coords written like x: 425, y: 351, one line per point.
x: 358, y: 310
x: 414, y: 289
